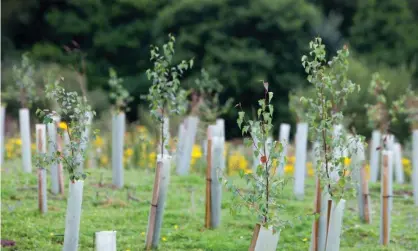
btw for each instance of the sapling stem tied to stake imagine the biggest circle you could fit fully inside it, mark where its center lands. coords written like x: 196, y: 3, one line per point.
x: 331, y: 85
x: 263, y: 185
x: 166, y: 97
x: 78, y: 112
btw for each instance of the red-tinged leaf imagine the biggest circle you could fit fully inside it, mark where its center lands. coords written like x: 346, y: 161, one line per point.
x: 266, y: 85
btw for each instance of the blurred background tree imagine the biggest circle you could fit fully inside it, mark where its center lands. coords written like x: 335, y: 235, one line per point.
x: 240, y: 42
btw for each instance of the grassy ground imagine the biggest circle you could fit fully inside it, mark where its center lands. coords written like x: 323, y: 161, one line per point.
x: 183, y: 222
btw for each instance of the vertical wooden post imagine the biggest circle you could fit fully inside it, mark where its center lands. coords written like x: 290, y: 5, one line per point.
x: 60, y: 169
x: 255, y: 237
x: 365, y: 190
x: 386, y: 197
x: 208, y: 181
x: 40, y: 188
x: 154, y: 205
x: 317, y: 211
x: 328, y: 219
x: 385, y: 201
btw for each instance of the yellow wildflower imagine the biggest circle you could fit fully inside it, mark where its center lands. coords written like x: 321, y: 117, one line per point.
x: 247, y: 171
x: 347, y: 161
x: 143, y: 233
x: 196, y: 152
x: 305, y: 239
x: 176, y: 227
x: 98, y: 142
x: 237, y: 161
x: 291, y: 159
x: 18, y: 142
x: 164, y: 238
x: 407, y: 167
x: 152, y: 157
x: 310, y: 169
x: 141, y: 129
x: 129, y: 152
x: 367, y: 169
x: 288, y: 169
x: 63, y: 125
x: 405, y: 162
x: 104, y: 160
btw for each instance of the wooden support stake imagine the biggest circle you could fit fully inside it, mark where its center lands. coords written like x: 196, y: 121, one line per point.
x: 317, y: 211
x: 328, y: 218
x: 208, y: 182
x: 385, y: 201
x: 40, y: 188
x: 365, y: 189
x: 154, y: 205
x: 255, y: 237
x: 60, y: 169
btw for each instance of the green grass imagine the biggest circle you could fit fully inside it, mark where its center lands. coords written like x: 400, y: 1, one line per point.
x: 21, y: 221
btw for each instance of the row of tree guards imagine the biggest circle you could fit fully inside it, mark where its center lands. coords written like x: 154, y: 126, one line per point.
x: 330, y: 213
x: 390, y: 159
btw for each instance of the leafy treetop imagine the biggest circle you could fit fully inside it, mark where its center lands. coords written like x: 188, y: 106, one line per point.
x: 263, y: 186
x: 165, y: 93
x: 80, y: 114
x: 23, y: 76
x: 209, y: 106
x: 118, y: 94
x: 329, y: 79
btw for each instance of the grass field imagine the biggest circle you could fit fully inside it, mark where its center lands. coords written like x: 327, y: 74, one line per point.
x: 184, y: 216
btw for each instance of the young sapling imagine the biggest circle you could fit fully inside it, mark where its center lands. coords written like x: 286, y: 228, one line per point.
x: 165, y: 97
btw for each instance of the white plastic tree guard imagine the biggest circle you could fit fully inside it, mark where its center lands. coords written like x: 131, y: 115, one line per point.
x: 2, y: 133
x: 218, y: 164
x: 105, y: 241
x: 155, y: 219
x: 52, y: 147
x: 284, y: 140
x: 374, y: 156
x: 41, y: 143
x: 300, y: 163
x: 26, y: 142
x: 335, y: 225
x: 118, y: 133
x: 264, y: 239
x: 415, y: 164
x: 73, y: 216
x: 189, y: 139
x: 397, y: 155
x: 180, y: 144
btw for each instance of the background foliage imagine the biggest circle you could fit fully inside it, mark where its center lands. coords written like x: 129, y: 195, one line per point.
x: 240, y: 42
